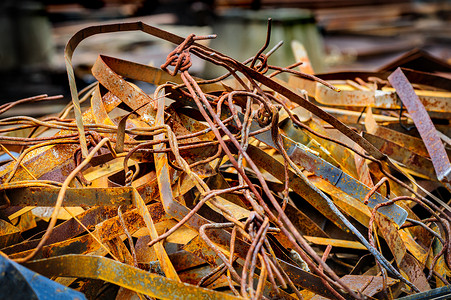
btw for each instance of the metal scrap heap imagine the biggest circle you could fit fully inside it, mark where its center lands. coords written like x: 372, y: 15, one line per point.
x: 246, y: 186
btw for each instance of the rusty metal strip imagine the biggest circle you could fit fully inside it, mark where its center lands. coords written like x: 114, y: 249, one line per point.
x: 135, y: 279
x: 98, y: 108
x: 348, y: 204
x: 407, y: 141
x: 414, y: 270
x: 406, y: 157
x: 369, y: 285
x: 302, y: 221
x: 385, y: 98
x: 423, y: 123
x: 149, y: 74
x: 112, y: 227
x: 335, y: 242
x: 135, y: 98
x: 68, y: 229
x: 106, y: 231
x: 46, y: 196
x: 335, y: 154
x: 338, y: 156
x: 79, y: 245
x: 37, y: 162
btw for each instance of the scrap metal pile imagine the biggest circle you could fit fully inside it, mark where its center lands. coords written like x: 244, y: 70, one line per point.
x: 246, y: 186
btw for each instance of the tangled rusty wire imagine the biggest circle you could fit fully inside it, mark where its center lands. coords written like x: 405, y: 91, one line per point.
x: 251, y: 264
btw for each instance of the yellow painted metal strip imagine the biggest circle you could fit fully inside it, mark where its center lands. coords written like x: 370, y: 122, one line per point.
x: 335, y: 242
x: 163, y: 257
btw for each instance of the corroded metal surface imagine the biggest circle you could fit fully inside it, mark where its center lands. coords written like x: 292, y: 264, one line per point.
x: 268, y: 194
x: 46, y: 196
x: 423, y: 123
x: 123, y: 275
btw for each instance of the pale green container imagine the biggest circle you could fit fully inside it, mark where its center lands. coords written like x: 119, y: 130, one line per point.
x: 241, y: 33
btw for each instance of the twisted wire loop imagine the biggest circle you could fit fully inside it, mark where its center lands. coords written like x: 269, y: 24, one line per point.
x: 262, y: 67
x: 180, y: 57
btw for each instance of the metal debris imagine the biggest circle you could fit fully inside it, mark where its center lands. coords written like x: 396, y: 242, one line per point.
x: 245, y: 186
x: 424, y: 125
x: 18, y: 282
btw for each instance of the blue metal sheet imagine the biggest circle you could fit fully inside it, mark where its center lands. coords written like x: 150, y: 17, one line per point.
x: 18, y: 282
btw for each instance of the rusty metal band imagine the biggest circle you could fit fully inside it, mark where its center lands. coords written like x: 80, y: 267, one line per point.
x: 68, y: 229
x: 106, y: 230
x: 134, y: 98
x: 136, y: 71
x: 140, y: 281
x: 411, y: 160
x: 423, y: 123
x: 46, y: 196
x: 93, y: 30
x: 409, y: 142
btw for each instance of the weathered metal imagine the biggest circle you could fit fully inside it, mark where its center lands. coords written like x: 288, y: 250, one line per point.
x: 123, y: 275
x: 46, y: 196
x: 424, y: 125
x: 163, y: 258
x: 9, y: 234
x: 252, y: 200
x: 68, y: 229
x: 407, y: 158
x: 128, y: 94
x: 305, y: 158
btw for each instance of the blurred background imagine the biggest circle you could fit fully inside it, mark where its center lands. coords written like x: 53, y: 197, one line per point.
x: 337, y: 35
